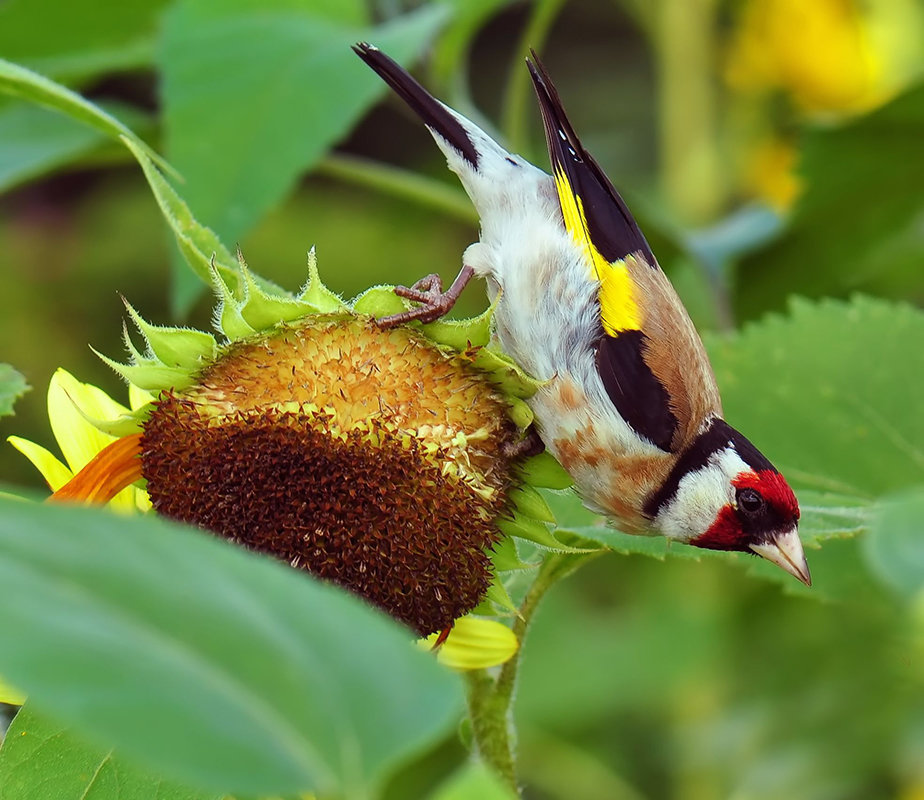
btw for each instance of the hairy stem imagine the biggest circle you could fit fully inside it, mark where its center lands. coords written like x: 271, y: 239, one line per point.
x: 490, y: 696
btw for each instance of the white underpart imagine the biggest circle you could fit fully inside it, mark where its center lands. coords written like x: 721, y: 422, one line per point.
x: 547, y: 317
x: 701, y: 495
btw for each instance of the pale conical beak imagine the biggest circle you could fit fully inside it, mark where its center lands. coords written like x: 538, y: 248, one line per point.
x: 785, y: 550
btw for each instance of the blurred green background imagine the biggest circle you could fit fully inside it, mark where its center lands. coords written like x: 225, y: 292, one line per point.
x: 769, y: 147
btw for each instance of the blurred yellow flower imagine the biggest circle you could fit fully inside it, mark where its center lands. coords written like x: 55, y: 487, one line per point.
x: 475, y: 643
x: 771, y: 173
x: 830, y: 56
x: 71, y: 406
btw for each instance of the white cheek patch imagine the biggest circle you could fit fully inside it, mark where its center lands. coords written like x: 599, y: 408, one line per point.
x: 700, y: 496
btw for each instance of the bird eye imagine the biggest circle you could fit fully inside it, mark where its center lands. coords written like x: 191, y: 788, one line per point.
x: 750, y: 501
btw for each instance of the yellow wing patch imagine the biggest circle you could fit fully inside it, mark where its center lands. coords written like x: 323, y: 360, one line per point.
x: 618, y: 309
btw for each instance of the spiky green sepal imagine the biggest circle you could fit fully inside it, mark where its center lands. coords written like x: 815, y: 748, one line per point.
x: 246, y: 307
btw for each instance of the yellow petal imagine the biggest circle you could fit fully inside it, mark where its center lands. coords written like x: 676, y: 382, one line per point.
x: 10, y: 695
x: 138, y: 397
x: 130, y: 500
x: 476, y: 643
x: 53, y: 471
x: 78, y: 439
x: 142, y: 499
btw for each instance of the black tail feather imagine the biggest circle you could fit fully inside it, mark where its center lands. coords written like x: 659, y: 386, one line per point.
x: 433, y: 113
x: 612, y: 228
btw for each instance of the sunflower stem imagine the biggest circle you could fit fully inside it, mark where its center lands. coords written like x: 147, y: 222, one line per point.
x: 490, y: 696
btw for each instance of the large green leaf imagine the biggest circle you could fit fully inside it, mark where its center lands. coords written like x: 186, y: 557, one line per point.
x: 255, y: 95
x: 830, y: 393
x: 857, y: 227
x: 895, y: 545
x: 41, y: 760
x: 74, y: 39
x: 210, y: 665
x: 18, y: 81
x: 35, y: 140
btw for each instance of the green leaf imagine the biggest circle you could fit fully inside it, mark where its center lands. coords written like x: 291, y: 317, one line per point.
x: 255, y: 95
x: 379, y: 301
x: 201, y: 248
x: 262, y: 309
x: 838, y: 569
x: 12, y: 386
x: 21, y: 82
x: 895, y: 545
x: 211, y: 665
x: 461, y: 334
x: 10, y: 694
x: 530, y: 503
x: 532, y: 530
x: 35, y: 140
x: 573, y: 517
x: 473, y: 782
x: 827, y: 515
x: 505, y: 558
x: 829, y: 393
x: 41, y: 759
x: 78, y: 38
x: 857, y: 226
x: 543, y: 470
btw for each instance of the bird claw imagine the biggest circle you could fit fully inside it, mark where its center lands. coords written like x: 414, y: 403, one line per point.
x: 530, y: 445
x: 428, y: 292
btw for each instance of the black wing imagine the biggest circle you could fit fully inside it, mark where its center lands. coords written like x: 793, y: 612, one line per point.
x: 596, y: 214
x: 610, y: 225
x: 634, y: 389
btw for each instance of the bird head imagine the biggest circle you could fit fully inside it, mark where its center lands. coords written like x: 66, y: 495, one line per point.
x: 724, y: 494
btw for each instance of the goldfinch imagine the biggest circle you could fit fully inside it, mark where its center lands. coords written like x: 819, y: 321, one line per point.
x: 628, y: 402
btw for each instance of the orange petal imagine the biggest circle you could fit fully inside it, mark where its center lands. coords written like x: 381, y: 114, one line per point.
x: 112, y: 469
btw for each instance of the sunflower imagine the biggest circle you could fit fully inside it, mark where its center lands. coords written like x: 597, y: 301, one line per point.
x: 387, y: 461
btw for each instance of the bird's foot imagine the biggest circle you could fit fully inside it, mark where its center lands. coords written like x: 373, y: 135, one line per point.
x: 530, y: 445
x: 434, y: 302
